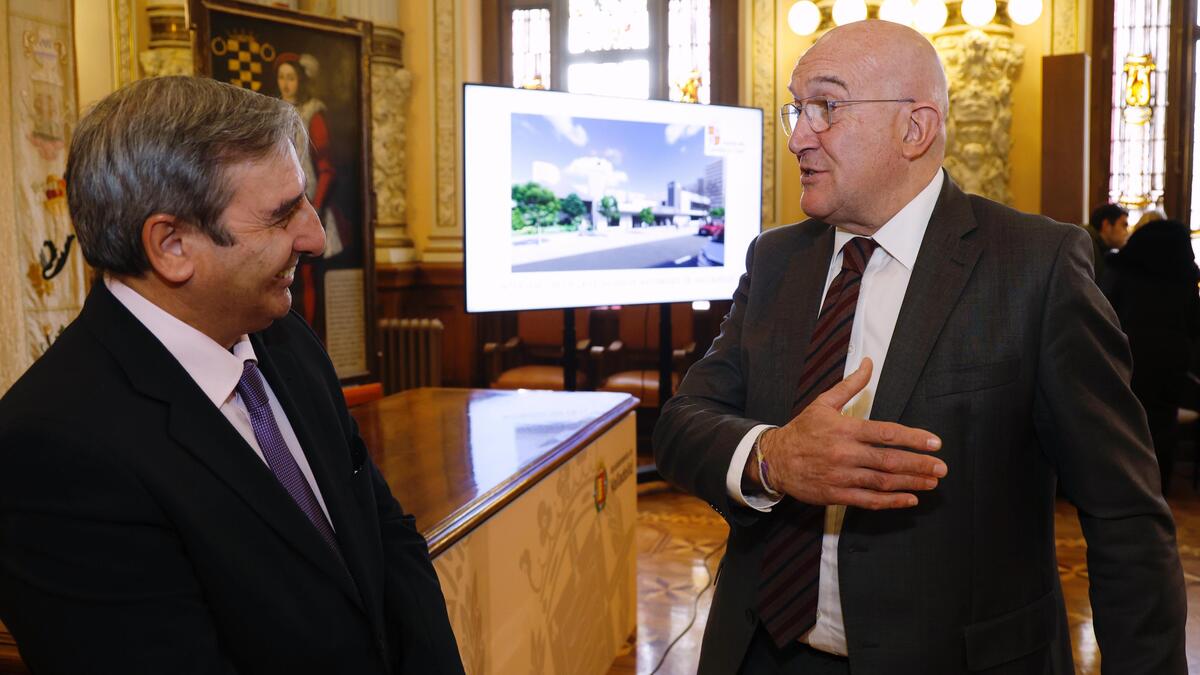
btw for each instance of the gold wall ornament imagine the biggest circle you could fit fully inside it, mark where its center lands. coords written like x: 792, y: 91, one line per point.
x: 981, y: 66
x: 124, y: 42
x: 764, y: 86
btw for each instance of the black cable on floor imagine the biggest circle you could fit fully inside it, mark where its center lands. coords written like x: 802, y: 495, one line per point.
x: 695, y: 610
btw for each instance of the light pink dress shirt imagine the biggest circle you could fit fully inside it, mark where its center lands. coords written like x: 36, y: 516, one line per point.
x: 215, y: 370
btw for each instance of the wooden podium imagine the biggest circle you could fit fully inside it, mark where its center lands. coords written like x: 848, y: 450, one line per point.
x: 529, y: 502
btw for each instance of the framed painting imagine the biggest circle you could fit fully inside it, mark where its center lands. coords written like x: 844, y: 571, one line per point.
x: 321, y: 66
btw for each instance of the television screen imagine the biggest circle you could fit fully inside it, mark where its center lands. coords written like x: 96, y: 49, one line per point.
x: 574, y: 200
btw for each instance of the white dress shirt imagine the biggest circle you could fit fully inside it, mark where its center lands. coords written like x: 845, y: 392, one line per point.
x: 884, y: 283
x: 216, y: 371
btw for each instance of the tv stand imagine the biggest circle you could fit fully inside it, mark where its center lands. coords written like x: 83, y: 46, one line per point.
x: 570, y: 359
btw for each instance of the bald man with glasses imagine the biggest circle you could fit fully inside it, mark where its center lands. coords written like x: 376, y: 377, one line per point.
x: 901, y: 382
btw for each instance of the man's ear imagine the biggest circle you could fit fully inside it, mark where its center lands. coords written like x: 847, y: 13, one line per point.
x: 921, y: 128
x: 166, y: 241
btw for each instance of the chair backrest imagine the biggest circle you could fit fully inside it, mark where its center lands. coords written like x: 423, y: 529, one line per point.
x: 638, y: 328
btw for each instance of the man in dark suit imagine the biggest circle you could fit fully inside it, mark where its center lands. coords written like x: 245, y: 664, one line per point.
x: 182, y: 489
x: 900, y: 521
x: 1108, y: 229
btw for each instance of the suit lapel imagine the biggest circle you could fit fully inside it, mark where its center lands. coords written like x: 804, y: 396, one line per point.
x: 197, y: 425
x: 310, y: 417
x: 944, y: 265
x: 800, y: 295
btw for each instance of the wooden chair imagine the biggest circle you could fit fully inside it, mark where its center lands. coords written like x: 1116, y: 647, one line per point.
x: 532, y: 359
x: 630, y: 363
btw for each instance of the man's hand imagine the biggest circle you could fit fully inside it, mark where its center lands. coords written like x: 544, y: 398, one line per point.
x: 823, y: 457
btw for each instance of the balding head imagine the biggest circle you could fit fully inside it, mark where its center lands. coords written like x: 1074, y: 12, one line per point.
x: 894, y: 56
x: 883, y: 90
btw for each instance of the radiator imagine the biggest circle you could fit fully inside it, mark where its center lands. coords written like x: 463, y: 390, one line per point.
x: 412, y: 353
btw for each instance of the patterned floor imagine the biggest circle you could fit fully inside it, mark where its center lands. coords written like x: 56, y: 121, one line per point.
x: 680, y: 541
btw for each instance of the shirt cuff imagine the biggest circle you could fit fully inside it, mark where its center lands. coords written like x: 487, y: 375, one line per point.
x: 733, y: 478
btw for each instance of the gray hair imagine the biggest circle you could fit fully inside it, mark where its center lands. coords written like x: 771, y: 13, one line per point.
x: 163, y: 145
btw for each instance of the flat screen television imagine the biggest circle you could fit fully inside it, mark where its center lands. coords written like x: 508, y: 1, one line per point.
x: 574, y: 200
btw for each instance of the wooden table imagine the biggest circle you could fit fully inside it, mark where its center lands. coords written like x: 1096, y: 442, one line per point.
x: 528, y: 500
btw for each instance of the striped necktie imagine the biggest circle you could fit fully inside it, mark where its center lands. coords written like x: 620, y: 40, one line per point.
x: 788, y: 582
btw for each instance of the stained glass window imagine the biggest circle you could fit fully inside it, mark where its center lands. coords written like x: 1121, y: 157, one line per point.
x: 687, y: 43
x: 1141, y: 47
x: 531, y: 48
x: 605, y: 25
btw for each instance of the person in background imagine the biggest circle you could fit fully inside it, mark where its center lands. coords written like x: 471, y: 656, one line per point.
x: 1109, y: 228
x: 1153, y: 290
x: 182, y: 489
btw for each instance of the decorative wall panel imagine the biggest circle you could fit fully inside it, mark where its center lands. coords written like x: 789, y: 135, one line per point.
x: 43, y: 109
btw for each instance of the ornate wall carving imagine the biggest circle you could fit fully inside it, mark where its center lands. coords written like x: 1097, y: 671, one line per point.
x: 763, y: 92
x: 981, y: 67
x: 391, y: 86
x: 445, y: 241
x: 124, y: 42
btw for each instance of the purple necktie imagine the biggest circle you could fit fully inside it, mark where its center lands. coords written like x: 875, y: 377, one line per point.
x: 791, y: 566
x: 276, y: 452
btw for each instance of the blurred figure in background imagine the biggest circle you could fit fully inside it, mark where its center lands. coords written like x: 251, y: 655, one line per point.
x: 1109, y: 229
x: 1153, y: 289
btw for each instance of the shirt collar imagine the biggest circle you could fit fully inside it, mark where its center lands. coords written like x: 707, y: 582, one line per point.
x: 901, y: 236
x: 214, y: 369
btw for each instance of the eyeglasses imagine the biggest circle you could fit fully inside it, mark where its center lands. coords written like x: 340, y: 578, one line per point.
x: 819, y: 111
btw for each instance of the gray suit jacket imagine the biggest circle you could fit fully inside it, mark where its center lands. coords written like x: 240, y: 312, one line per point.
x: 1005, y: 348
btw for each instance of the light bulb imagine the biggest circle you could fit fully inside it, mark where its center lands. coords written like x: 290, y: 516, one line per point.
x: 929, y: 15
x: 849, y: 11
x: 1024, y: 12
x: 978, y: 13
x: 804, y: 18
x: 897, y: 11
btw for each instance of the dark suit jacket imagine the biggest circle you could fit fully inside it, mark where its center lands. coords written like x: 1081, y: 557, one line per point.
x: 139, y: 533
x: 1005, y: 348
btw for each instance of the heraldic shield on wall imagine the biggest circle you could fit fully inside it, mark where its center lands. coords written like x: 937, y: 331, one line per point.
x: 320, y: 66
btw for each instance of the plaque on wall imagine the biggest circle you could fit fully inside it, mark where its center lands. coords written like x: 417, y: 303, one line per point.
x: 321, y: 66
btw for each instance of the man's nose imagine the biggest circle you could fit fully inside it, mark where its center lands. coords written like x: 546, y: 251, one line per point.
x: 310, y: 235
x: 803, y: 137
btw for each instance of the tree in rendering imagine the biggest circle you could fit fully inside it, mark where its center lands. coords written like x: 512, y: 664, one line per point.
x: 609, y: 209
